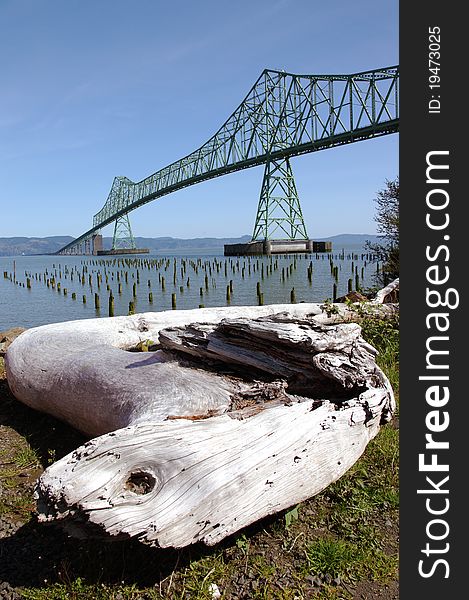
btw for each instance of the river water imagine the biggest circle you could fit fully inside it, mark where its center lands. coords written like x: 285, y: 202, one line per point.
x: 59, y: 283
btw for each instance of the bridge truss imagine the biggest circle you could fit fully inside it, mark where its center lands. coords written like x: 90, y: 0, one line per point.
x: 282, y: 116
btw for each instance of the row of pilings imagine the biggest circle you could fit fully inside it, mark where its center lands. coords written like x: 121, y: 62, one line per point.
x: 104, y: 283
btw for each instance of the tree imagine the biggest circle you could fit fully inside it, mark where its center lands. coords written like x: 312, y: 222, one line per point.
x: 387, y: 219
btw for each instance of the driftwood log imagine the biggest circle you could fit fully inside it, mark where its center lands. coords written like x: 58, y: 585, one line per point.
x: 238, y: 413
x: 388, y: 294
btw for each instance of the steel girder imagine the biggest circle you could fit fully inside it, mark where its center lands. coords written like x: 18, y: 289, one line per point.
x: 279, y: 210
x: 283, y: 115
x: 123, y: 237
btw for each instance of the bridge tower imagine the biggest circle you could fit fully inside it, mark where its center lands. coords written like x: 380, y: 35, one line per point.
x: 279, y: 214
x: 123, y: 238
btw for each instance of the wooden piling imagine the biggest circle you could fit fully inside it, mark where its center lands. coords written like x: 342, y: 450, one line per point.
x: 111, y: 305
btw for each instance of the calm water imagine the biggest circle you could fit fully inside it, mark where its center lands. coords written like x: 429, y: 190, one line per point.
x: 277, y: 275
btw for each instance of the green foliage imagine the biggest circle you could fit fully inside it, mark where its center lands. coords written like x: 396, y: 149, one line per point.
x: 80, y: 590
x: 348, y: 560
x: 26, y: 457
x: 199, y: 575
x: 291, y: 516
x: 243, y: 544
x: 15, y: 506
x: 51, y: 456
x: 328, y: 555
x: 145, y: 345
x: 387, y: 220
x: 383, y: 333
x: 329, y: 308
x: 354, y: 505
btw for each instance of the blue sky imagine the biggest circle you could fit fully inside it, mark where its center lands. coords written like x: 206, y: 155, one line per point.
x: 92, y: 89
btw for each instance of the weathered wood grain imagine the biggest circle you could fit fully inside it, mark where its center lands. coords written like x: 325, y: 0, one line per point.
x: 207, y: 479
x: 241, y: 412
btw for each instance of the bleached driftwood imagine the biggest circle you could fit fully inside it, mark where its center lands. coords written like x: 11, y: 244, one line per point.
x: 238, y: 415
x: 390, y: 293
x: 81, y: 371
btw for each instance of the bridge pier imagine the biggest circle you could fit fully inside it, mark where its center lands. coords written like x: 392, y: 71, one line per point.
x: 269, y: 247
x: 97, y: 242
x: 279, y: 212
x: 123, y: 241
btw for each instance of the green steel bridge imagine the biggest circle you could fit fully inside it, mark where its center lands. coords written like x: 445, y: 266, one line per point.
x: 282, y: 116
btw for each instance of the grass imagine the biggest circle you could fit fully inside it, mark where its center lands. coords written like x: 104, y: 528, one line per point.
x: 26, y: 458
x: 331, y: 556
x: 19, y: 507
x: 368, y: 494
x: 348, y: 531
x: 79, y: 590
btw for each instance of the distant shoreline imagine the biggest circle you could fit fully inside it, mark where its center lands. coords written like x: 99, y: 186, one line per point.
x: 48, y: 246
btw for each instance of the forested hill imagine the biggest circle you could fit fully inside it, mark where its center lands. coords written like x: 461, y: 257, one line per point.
x: 14, y: 246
